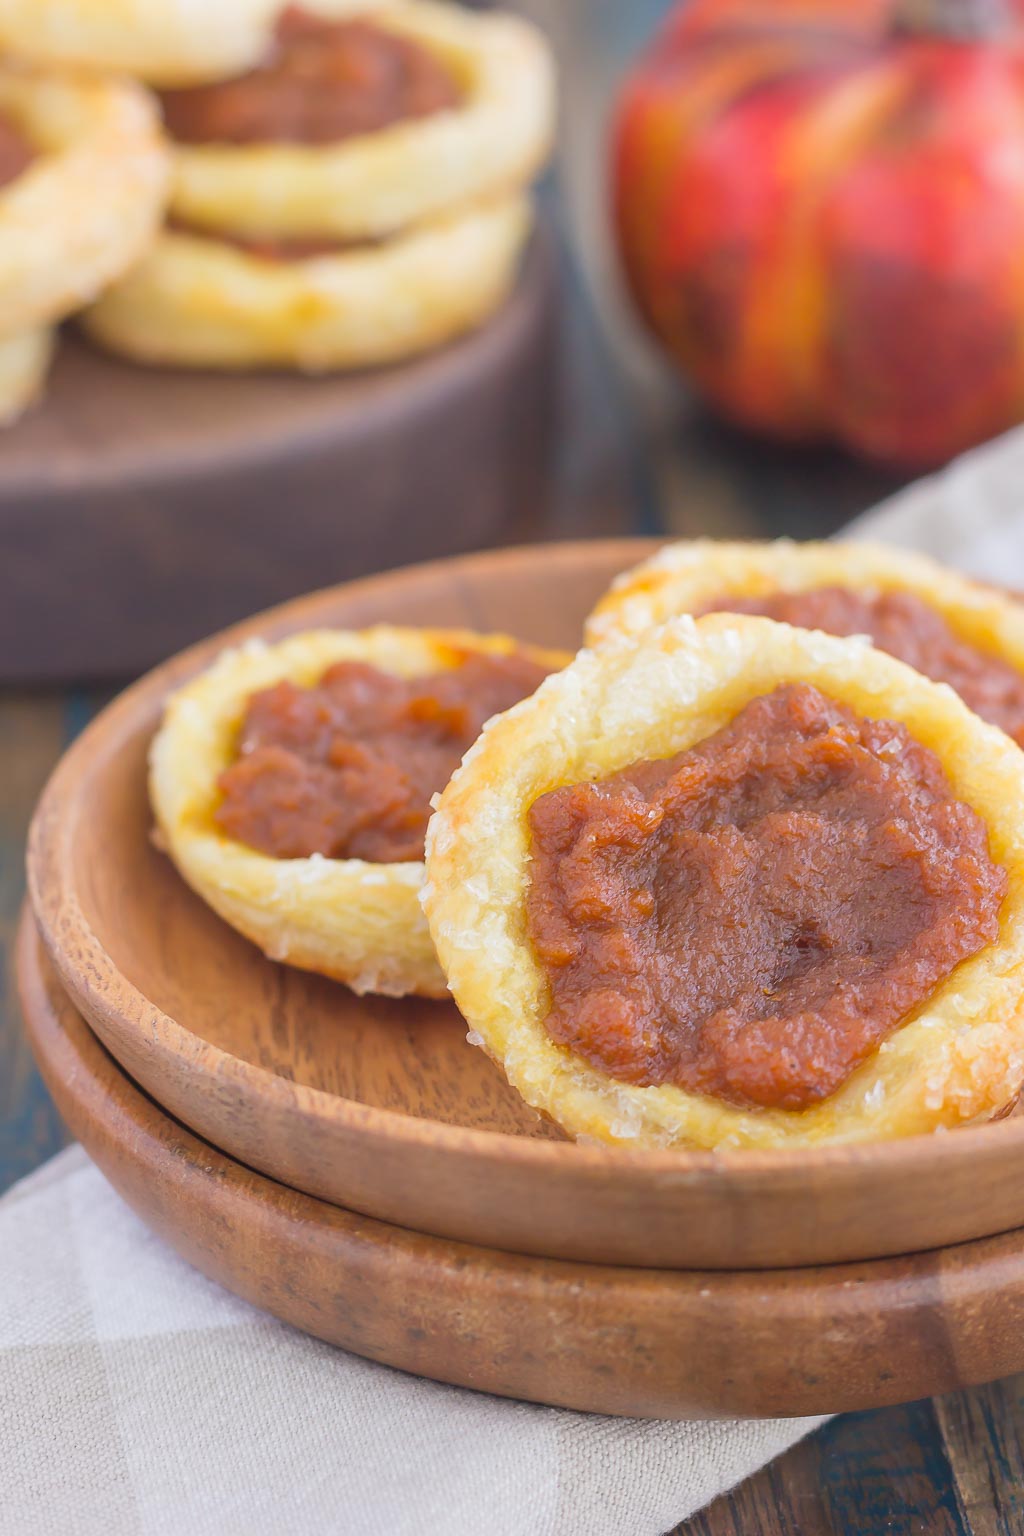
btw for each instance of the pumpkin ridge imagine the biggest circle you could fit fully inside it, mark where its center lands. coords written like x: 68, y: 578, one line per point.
x: 787, y: 303
x: 670, y: 122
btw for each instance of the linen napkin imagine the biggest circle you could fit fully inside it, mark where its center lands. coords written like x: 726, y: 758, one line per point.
x: 139, y: 1399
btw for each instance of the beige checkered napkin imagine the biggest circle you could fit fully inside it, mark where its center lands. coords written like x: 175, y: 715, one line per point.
x: 138, y: 1399
x: 971, y: 515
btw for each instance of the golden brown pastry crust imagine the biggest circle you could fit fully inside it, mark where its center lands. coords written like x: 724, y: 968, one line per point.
x: 24, y: 362
x: 683, y: 577
x: 194, y: 302
x: 959, y: 1058
x: 89, y: 204
x: 166, y: 42
x: 360, y: 923
x: 371, y: 186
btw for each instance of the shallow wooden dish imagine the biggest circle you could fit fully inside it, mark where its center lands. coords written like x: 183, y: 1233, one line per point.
x: 648, y: 1343
x: 383, y: 1107
x: 140, y: 509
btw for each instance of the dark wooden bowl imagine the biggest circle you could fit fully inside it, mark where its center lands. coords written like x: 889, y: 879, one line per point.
x: 141, y: 509
x: 384, y: 1107
x: 608, y: 1340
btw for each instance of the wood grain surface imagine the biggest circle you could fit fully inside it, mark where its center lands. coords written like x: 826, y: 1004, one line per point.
x: 647, y: 1343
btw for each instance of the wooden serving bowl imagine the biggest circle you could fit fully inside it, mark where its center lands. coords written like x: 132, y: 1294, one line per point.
x: 141, y: 508
x: 648, y: 1343
x: 383, y: 1107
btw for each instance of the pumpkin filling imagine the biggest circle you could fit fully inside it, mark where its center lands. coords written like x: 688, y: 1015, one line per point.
x: 347, y: 768
x: 751, y: 918
x: 324, y: 81
x: 909, y: 629
x: 16, y: 153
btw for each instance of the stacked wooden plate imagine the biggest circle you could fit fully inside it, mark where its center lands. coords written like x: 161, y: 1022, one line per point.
x: 356, y: 1167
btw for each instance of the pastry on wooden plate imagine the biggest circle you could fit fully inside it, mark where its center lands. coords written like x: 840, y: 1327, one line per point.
x: 952, y: 629
x: 202, y: 302
x: 359, y: 196
x: 83, y: 175
x: 291, y: 786
x: 738, y: 884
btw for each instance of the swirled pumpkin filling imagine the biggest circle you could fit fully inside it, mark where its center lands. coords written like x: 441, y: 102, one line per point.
x: 909, y: 629
x: 751, y: 918
x: 16, y: 153
x: 347, y: 768
x: 324, y: 81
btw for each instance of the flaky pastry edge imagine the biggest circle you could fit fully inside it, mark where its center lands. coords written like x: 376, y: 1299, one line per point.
x: 686, y: 575
x: 355, y: 921
x: 24, y: 364
x: 198, y: 302
x: 89, y: 204
x: 165, y: 42
x: 958, y: 1059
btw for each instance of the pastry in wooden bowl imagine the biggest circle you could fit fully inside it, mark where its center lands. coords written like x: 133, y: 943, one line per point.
x: 356, y: 198
x: 83, y: 175
x: 953, y: 630
x: 291, y: 786
x: 735, y: 884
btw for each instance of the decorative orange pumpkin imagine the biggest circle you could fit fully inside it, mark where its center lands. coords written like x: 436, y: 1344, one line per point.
x: 821, y: 215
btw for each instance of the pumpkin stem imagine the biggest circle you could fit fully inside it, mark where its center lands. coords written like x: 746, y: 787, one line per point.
x: 963, y: 19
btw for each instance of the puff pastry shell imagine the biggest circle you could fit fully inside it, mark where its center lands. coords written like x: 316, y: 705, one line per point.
x: 88, y: 205
x: 685, y: 576
x: 958, y: 1058
x: 372, y: 185
x: 24, y: 361
x: 194, y: 302
x: 360, y: 923
x: 167, y: 42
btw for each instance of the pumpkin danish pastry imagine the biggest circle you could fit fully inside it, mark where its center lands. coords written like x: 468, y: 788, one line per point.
x: 355, y: 198
x: 291, y: 785
x: 83, y: 174
x: 954, y: 630
x: 199, y: 302
x: 739, y: 884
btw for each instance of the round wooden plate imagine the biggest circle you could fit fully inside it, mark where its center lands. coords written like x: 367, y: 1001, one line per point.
x: 141, y: 508
x: 384, y: 1107
x: 648, y: 1343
